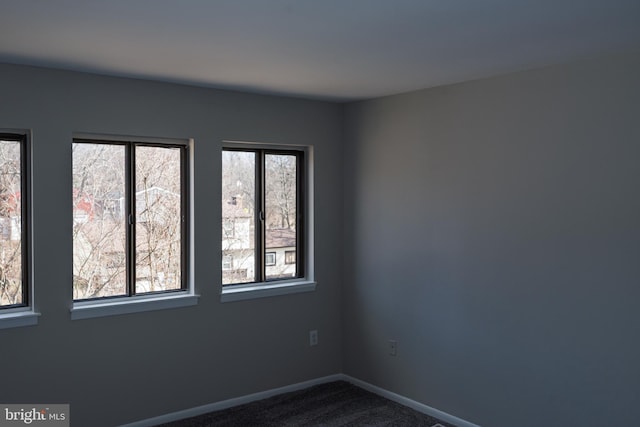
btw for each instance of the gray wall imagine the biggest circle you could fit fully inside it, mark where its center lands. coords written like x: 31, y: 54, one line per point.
x: 493, y: 230
x: 124, y: 368
x: 491, y: 227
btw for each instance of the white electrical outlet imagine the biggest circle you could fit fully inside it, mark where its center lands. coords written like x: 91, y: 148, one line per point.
x: 393, y: 347
x: 313, y: 337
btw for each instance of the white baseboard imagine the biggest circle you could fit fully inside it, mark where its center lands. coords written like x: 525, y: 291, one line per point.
x: 224, y: 404
x: 420, y: 407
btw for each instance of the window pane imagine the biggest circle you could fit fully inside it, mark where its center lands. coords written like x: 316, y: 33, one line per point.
x: 227, y: 262
x: 270, y: 258
x: 11, y: 290
x: 290, y: 257
x: 280, y: 212
x: 158, y: 239
x: 99, y: 221
x: 238, y: 213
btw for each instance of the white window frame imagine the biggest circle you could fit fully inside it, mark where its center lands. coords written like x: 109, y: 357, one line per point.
x: 25, y: 315
x: 307, y: 283
x: 150, y: 302
x: 270, y: 259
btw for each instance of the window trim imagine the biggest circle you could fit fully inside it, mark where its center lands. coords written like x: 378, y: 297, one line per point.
x: 305, y: 283
x: 23, y: 314
x: 88, y: 309
x: 250, y: 291
x: 142, y: 302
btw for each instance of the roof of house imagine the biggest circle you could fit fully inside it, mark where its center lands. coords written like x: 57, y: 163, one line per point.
x: 280, y: 238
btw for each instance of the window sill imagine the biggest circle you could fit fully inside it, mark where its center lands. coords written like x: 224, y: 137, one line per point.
x: 91, y: 309
x: 263, y: 290
x: 18, y: 319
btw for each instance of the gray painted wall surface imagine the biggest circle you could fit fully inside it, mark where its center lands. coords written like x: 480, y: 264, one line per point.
x: 493, y: 230
x: 491, y: 227
x: 125, y: 368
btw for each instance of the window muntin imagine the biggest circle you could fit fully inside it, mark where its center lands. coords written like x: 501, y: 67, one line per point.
x: 129, y: 210
x: 14, y: 197
x: 262, y: 195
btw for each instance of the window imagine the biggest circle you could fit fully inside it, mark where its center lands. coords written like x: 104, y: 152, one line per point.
x: 263, y: 196
x: 270, y: 258
x: 228, y: 228
x: 14, y: 220
x: 290, y: 257
x: 130, y: 231
x: 227, y: 262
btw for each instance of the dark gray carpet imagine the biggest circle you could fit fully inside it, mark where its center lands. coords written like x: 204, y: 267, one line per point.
x: 332, y: 404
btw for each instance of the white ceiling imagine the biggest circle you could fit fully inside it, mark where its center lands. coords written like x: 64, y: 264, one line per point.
x: 323, y: 49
